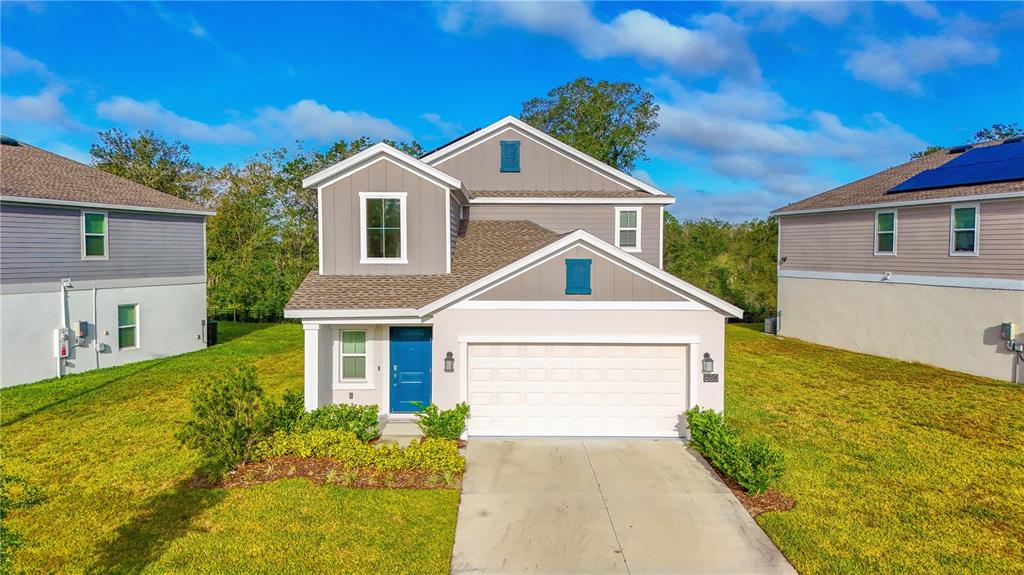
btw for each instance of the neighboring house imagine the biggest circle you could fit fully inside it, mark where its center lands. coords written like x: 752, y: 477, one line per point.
x: 512, y: 272
x: 922, y: 262
x: 93, y: 267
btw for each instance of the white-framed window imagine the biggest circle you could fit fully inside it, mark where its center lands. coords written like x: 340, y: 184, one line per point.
x: 963, y: 229
x: 94, y: 235
x: 384, y: 229
x: 354, y: 369
x: 627, y: 229
x: 128, y: 326
x: 885, y: 232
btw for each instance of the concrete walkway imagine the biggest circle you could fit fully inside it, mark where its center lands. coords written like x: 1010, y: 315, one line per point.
x: 602, y: 506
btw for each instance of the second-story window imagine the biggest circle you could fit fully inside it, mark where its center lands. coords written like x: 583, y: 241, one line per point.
x: 627, y: 229
x: 885, y: 233
x: 963, y: 230
x: 94, y: 235
x: 384, y: 227
x: 510, y: 155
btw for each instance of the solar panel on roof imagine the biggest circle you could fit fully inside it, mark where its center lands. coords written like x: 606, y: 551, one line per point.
x: 998, y: 163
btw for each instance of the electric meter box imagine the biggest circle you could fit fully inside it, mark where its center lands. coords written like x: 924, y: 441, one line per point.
x: 80, y: 329
x: 61, y: 342
x: 1007, y: 331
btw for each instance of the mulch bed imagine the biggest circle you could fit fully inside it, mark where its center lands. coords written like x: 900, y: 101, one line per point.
x: 770, y: 500
x: 328, y: 471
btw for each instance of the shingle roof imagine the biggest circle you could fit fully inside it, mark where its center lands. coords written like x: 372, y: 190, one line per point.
x: 560, y: 194
x: 483, y: 247
x: 30, y: 172
x: 874, y: 189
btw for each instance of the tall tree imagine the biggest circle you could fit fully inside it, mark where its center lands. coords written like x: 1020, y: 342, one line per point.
x: 610, y: 121
x: 152, y: 161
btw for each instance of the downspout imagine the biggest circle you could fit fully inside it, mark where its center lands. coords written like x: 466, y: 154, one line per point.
x: 65, y: 283
x: 95, y: 330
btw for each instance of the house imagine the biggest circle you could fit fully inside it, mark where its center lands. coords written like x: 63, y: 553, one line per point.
x: 512, y: 272
x: 95, y: 270
x: 921, y: 262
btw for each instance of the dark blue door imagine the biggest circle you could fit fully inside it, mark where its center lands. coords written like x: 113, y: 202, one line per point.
x: 410, y: 367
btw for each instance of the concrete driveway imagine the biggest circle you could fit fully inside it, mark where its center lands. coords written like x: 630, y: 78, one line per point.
x: 602, y: 506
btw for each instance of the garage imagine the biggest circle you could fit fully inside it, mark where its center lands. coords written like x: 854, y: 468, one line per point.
x: 574, y: 389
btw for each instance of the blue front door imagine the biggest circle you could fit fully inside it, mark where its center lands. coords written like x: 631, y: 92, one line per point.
x: 410, y: 367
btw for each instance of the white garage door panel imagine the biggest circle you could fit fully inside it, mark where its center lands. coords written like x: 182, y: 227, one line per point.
x: 565, y: 389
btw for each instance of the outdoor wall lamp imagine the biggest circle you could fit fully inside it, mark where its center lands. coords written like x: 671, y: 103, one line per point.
x: 449, y: 362
x: 708, y: 364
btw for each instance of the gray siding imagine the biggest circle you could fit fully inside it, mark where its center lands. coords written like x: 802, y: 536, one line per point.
x: 844, y: 242
x: 454, y: 219
x: 540, y: 168
x: 598, y: 219
x: 43, y: 244
x: 609, y: 282
x: 426, y: 215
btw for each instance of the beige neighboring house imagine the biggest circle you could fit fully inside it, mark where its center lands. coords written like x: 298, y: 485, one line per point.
x: 922, y: 262
x: 512, y: 272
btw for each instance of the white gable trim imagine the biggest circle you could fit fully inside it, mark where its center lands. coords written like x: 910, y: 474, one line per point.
x: 598, y: 246
x: 364, y: 159
x: 609, y: 198
x: 540, y: 137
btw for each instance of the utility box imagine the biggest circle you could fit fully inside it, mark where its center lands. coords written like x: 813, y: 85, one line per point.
x: 1007, y: 331
x: 61, y: 342
x: 80, y: 330
x: 211, y: 332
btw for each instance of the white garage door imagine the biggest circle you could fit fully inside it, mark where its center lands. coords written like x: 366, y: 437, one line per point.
x: 570, y: 389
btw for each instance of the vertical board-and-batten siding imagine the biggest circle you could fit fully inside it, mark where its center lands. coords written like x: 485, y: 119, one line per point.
x: 454, y: 219
x: 44, y: 244
x: 844, y: 242
x: 425, y: 213
x: 609, y: 282
x: 598, y: 219
x: 540, y: 168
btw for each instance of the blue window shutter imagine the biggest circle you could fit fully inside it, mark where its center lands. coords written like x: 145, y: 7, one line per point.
x: 510, y: 155
x: 577, y: 276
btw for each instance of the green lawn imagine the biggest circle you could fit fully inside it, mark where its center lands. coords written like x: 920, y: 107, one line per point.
x: 895, y: 467
x: 101, y: 445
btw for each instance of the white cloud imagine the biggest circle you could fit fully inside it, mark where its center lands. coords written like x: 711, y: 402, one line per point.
x: 181, y: 19
x: 713, y: 42
x: 14, y: 62
x: 446, y: 128
x: 151, y: 115
x: 309, y: 119
x: 42, y: 108
x: 899, y: 65
x: 922, y: 9
x: 780, y: 15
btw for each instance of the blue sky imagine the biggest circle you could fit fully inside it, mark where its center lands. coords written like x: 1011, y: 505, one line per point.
x: 762, y: 103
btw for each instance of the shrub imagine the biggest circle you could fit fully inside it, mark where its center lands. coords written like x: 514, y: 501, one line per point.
x: 229, y: 416
x: 442, y: 423
x: 362, y: 420
x: 437, y: 455
x: 755, y: 465
x: 286, y: 415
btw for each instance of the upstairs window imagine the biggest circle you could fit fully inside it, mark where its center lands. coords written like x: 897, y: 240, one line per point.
x: 94, y: 235
x: 384, y: 227
x: 577, y: 276
x: 627, y: 229
x: 885, y: 233
x: 963, y: 230
x: 510, y: 155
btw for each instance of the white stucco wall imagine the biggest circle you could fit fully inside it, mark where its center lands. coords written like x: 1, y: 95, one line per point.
x: 169, y: 324
x: 950, y: 327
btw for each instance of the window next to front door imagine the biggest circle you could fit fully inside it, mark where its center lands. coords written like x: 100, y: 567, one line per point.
x: 382, y: 217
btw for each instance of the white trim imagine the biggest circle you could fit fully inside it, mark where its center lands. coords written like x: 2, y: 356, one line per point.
x: 448, y: 233
x: 102, y: 206
x: 579, y: 305
x: 977, y: 229
x: 661, y: 237
x: 618, y: 229
x: 974, y: 198
x: 106, y: 235
x: 603, y: 199
x: 320, y: 228
x: 529, y: 131
x: 355, y: 163
x: 137, y: 326
x: 403, y: 202
x: 599, y: 246
x: 938, y: 281
x: 895, y: 226
x: 88, y: 285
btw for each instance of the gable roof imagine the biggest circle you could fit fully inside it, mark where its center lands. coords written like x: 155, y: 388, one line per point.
x: 472, y: 138
x: 362, y: 159
x: 32, y: 175
x: 873, y: 191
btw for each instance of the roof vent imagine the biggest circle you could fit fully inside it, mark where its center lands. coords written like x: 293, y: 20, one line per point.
x: 1014, y: 140
x: 8, y: 141
x: 960, y: 149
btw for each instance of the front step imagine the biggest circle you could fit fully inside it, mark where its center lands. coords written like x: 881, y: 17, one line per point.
x: 400, y: 428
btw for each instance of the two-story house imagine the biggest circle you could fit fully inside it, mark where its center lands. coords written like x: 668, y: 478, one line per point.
x: 95, y: 270
x: 512, y: 272
x: 923, y: 261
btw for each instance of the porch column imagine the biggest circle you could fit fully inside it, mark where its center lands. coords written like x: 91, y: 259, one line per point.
x: 317, y: 385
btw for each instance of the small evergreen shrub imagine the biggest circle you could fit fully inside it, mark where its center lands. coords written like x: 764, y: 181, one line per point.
x: 755, y: 464
x: 442, y: 423
x: 286, y: 415
x: 361, y: 420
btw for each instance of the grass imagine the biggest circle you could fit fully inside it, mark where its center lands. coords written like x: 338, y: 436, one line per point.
x: 895, y: 467
x: 101, y: 445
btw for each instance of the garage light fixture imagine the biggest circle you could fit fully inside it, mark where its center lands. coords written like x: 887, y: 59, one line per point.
x: 449, y: 362
x: 708, y: 364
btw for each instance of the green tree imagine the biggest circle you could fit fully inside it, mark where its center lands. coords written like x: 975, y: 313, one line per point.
x: 154, y: 162
x: 610, y: 121
x: 994, y: 132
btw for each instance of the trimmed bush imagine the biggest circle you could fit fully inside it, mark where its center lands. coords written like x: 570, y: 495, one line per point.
x: 361, y: 420
x: 755, y: 465
x: 442, y: 423
x: 285, y: 415
x: 438, y: 455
